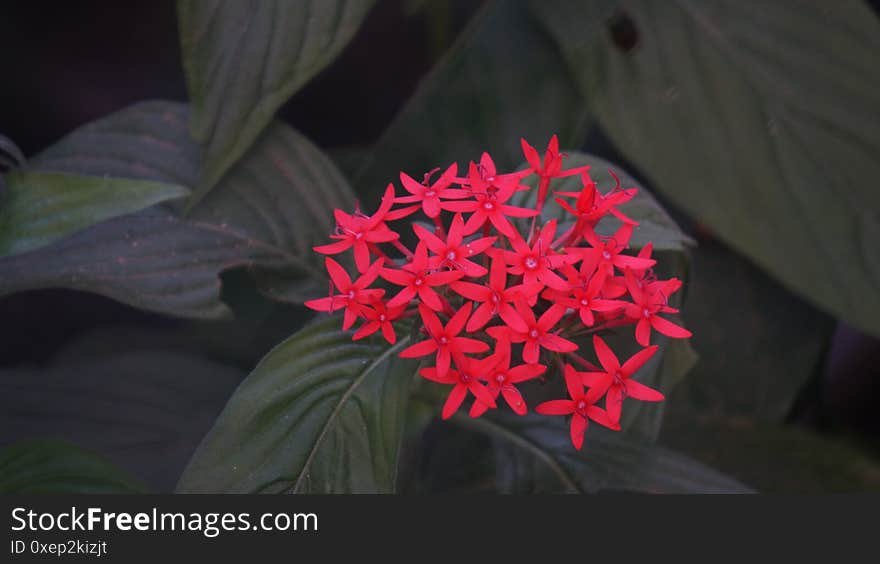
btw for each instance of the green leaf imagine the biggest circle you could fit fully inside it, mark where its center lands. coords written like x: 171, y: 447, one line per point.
x: 320, y: 414
x: 747, y: 121
x: 39, y: 208
x: 144, y: 408
x: 56, y: 467
x: 266, y: 214
x: 777, y: 458
x: 243, y: 60
x: 779, y: 343
x: 501, y: 80
x: 535, y: 454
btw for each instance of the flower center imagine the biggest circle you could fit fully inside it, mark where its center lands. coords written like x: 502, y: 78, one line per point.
x: 499, y: 378
x: 531, y: 263
x: 450, y: 255
x: 618, y: 378
x: 490, y: 179
x: 585, y: 302
x: 419, y: 281
x: 606, y: 255
x: 430, y: 193
x: 465, y: 378
x: 443, y: 340
x: 534, y: 333
x: 495, y: 298
x: 488, y: 205
x: 581, y: 407
x: 351, y: 295
x: 646, y: 312
x: 382, y: 317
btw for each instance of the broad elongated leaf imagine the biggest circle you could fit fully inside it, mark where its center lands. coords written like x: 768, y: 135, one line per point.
x: 777, y: 458
x: 40, y: 208
x: 55, y: 467
x: 779, y: 341
x: 144, y: 410
x: 758, y: 118
x: 243, y: 60
x: 501, y: 80
x: 536, y: 455
x: 266, y: 214
x: 320, y: 413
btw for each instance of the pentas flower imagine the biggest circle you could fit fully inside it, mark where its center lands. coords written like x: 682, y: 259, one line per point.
x: 501, y: 378
x: 487, y: 294
x: 352, y: 295
x: 537, y: 263
x: 607, y: 253
x: 417, y: 279
x: 615, y: 381
x: 444, y: 340
x: 538, y: 332
x: 549, y: 168
x: 357, y: 231
x: 644, y: 309
x: 496, y: 298
x: 453, y: 253
x: 490, y: 207
x: 429, y: 195
x: 585, y: 298
x: 379, y: 317
x: 591, y: 206
x: 581, y: 406
x: 463, y: 380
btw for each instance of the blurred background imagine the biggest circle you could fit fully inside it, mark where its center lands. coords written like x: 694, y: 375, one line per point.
x: 69, y: 63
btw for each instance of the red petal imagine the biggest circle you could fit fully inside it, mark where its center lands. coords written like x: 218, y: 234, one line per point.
x: 578, y: 428
x: 556, y: 343
x: 643, y: 332
x: 366, y: 329
x: 573, y: 383
x: 433, y: 242
x: 525, y: 372
x: 481, y: 316
x: 361, y: 256
x: 457, y: 322
x: 334, y: 248
x: 669, y: 328
x: 531, y: 352
x: 614, y: 403
x: 422, y: 348
x: 607, y: 358
x: 453, y: 402
x: 514, y: 399
x: 430, y: 298
x: 466, y: 345
x: 639, y: 391
x: 556, y: 407
x: 598, y: 415
x: 638, y: 360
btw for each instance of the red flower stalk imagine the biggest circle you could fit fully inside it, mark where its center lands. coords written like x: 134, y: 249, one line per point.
x: 444, y: 340
x: 582, y: 407
x: 615, y: 381
x: 352, y: 295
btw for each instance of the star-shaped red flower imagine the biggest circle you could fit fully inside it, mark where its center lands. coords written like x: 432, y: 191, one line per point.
x: 501, y: 378
x: 463, y: 380
x: 496, y: 298
x: 418, y: 279
x: 538, y: 334
x: 452, y: 253
x: 582, y: 408
x: 429, y: 195
x: 444, y: 340
x: 550, y: 168
x: 616, y: 380
x: 536, y: 263
x: 352, y: 295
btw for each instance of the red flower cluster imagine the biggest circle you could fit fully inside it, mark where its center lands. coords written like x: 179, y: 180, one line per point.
x: 496, y: 287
